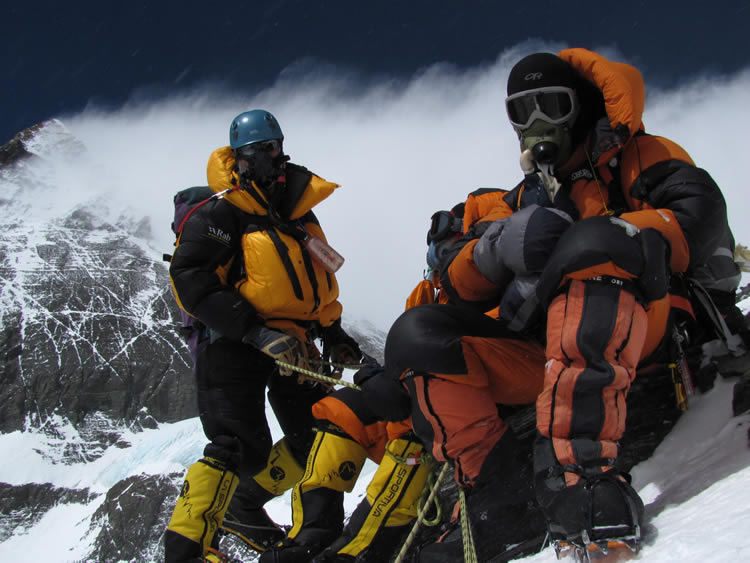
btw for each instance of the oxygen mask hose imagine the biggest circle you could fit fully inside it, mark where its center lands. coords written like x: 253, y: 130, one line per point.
x: 529, y: 166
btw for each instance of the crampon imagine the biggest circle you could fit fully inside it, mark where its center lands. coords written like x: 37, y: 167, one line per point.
x: 215, y: 556
x: 237, y: 547
x: 248, y: 542
x: 604, y: 550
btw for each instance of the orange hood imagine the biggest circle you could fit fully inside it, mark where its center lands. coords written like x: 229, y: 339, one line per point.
x: 621, y: 85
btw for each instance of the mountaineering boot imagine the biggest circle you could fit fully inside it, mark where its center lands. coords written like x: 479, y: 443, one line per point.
x: 378, y: 526
x: 282, y: 470
x: 505, y: 521
x: 246, y: 518
x: 200, y: 508
x: 599, y: 508
x: 333, y: 466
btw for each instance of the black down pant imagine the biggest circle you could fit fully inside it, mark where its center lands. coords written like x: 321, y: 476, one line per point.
x: 232, y: 379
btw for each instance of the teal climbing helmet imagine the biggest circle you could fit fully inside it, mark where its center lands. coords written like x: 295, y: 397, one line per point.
x: 253, y: 126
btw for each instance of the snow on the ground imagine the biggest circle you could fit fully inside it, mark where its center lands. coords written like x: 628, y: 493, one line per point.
x: 696, y: 486
x: 62, y: 534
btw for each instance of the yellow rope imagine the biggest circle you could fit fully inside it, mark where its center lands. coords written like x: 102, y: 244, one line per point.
x: 422, y: 503
x: 607, y: 211
x: 334, y: 364
x: 310, y: 374
x: 420, y: 515
x: 423, y: 459
x: 470, y: 552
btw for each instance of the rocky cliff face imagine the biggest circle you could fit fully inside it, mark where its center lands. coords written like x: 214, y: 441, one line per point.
x: 130, y: 523
x: 87, y: 320
x: 89, y: 350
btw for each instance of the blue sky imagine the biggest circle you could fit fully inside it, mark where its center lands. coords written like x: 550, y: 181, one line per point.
x: 59, y: 58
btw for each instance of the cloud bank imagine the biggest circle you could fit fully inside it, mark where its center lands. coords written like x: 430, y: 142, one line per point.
x: 399, y: 150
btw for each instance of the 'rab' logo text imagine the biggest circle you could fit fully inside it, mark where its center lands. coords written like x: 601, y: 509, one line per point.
x: 217, y: 234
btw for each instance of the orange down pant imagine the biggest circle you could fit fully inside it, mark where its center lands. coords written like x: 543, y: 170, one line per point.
x: 596, y: 333
x: 459, y: 366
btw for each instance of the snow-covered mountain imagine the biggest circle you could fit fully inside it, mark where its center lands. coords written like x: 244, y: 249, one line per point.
x: 98, y: 412
x: 90, y: 352
x: 83, y: 303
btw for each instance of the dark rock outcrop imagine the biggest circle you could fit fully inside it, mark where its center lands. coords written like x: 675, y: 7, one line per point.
x: 741, y: 397
x: 90, y: 328
x: 22, y: 506
x: 14, y: 149
x: 133, y: 517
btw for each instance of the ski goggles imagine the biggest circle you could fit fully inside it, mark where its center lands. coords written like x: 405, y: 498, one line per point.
x: 552, y: 104
x: 443, y: 224
x: 270, y: 146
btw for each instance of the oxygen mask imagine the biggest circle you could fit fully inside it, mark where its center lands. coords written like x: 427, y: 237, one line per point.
x: 262, y: 163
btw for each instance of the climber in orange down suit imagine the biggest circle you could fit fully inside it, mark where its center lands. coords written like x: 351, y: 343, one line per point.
x: 605, y: 222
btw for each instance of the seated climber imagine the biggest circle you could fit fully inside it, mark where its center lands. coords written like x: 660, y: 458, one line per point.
x: 636, y: 217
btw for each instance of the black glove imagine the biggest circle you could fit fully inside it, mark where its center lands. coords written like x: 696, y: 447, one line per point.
x: 367, y: 372
x: 338, y: 346
x: 385, y: 396
x: 279, y: 346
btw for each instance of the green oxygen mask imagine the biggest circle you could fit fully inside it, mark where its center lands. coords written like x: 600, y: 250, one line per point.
x: 550, y: 144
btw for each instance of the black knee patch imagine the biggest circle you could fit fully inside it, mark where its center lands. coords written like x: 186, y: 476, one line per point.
x: 428, y: 338
x: 654, y: 281
x: 601, y: 240
x: 226, y: 449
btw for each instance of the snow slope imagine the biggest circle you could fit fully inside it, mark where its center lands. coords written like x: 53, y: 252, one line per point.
x: 696, y: 486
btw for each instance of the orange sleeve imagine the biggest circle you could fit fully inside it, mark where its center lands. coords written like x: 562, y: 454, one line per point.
x: 488, y: 205
x: 664, y: 221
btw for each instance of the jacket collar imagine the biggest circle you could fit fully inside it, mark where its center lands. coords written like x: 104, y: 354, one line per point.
x: 221, y: 175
